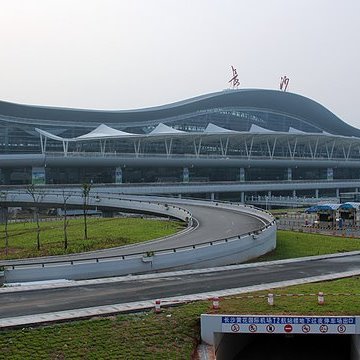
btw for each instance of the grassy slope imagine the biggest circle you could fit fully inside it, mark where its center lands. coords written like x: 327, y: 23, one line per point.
x: 170, y: 335
x: 291, y: 244
x: 102, y: 233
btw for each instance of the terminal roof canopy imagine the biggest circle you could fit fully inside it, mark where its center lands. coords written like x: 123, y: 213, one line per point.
x: 258, y: 129
x: 214, y: 129
x: 164, y: 129
x: 295, y: 131
x: 50, y: 135
x: 103, y: 132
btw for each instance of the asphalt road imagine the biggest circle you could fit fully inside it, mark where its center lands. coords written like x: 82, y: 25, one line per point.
x: 48, y: 300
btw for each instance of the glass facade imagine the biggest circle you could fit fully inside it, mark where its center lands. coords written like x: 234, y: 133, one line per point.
x: 296, y: 127
x: 23, y: 138
x: 79, y: 175
x: 15, y: 176
x: 98, y: 175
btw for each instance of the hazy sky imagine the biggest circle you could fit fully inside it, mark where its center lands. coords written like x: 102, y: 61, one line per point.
x: 121, y: 54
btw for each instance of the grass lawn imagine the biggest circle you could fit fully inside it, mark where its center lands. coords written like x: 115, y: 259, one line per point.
x: 306, y: 304
x: 173, y: 334
x: 292, y: 244
x: 102, y: 233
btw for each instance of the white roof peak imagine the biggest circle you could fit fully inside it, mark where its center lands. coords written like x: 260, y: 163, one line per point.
x: 103, y: 131
x: 212, y: 128
x: 258, y: 129
x: 295, y: 131
x: 164, y: 129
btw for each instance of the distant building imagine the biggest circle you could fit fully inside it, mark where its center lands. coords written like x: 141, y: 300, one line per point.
x: 246, y: 136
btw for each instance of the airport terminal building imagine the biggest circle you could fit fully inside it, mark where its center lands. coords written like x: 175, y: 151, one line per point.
x: 246, y: 136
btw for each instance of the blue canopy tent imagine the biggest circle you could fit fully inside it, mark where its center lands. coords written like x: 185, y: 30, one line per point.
x: 349, y: 212
x: 322, y: 207
x: 312, y: 209
x: 325, y: 212
x: 350, y: 205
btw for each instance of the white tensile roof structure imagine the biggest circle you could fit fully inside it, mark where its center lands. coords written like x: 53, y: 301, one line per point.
x: 213, y: 135
x: 295, y: 131
x: 103, y: 132
x: 48, y: 135
x: 258, y: 129
x: 163, y: 129
x: 214, y: 129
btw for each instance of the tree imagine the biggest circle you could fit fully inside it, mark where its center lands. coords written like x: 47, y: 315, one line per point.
x: 6, y: 220
x: 85, y: 195
x: 66, y: 197
x: 37, y: 196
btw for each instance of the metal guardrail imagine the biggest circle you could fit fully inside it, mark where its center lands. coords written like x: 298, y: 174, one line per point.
x: 288, y: 200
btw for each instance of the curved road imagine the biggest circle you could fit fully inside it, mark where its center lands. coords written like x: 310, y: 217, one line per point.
x: 212, y: 224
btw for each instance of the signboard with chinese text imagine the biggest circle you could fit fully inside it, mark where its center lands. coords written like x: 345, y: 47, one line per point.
x: 265, y: 324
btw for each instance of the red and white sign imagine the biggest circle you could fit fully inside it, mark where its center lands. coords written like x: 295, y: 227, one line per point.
x: 288, y: 328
